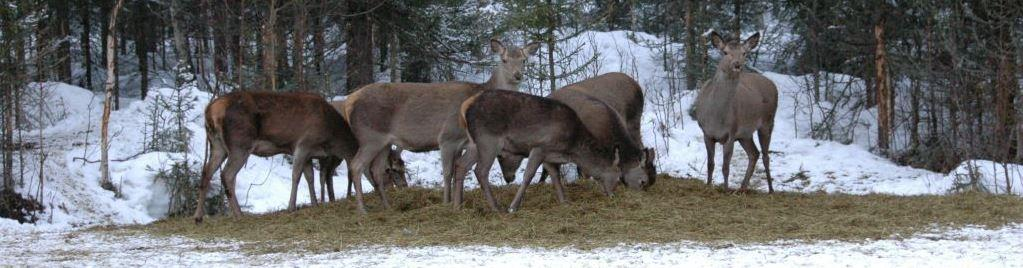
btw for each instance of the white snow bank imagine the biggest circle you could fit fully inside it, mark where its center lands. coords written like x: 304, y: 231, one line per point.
x: 988, y: 176
x: 965, y: 247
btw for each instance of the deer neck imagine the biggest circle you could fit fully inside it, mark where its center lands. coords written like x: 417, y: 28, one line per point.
x: 499, y: 81
x: 722, y: 89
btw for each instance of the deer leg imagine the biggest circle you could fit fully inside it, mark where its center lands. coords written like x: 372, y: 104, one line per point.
x: 448, y: 151
x: 378, y: 177
x: 765, y: 144
x: 301, y: 159
x: 357, y: 167
x: 726, y: 160
x: 327, y: 168
x: 753, y: 154
x: 461, y: 170
x: 217, y: 156
x: 487, y: 150
x: 559, y: 189
x: 235, y: 161
x: 711, y: 146
x: 307, y: 172
x: 535, y: 159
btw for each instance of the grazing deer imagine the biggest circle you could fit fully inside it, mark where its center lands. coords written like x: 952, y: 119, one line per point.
x: 548, y: 132
x: 619, y: 91
x: 412, y: 115
x: 242, y: 123
x: 734, y: 104
x: 386, y: 169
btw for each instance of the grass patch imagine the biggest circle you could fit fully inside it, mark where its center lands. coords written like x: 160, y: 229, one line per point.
x: 674, y: 210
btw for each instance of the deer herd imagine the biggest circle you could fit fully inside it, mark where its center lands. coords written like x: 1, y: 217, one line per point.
x: 594, y: 124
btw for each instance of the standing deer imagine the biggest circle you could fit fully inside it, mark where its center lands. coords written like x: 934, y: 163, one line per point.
x: 242, y: 123
x: 550, y: 133
x: 387, y: 169
x: 621, y: 93
x: 412, y: 115
x: 734, y: 104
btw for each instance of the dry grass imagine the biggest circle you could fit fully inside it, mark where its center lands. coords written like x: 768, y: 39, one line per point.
x: 673, y: 210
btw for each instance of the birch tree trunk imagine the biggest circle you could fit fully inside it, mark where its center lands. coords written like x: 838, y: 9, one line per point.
x: 111, y: 48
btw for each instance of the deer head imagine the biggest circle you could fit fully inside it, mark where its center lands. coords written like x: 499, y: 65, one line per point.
x: 513, y: 62
x: 733, y: 54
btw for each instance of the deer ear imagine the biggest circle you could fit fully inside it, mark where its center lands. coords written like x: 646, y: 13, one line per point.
x: 715, y: 39
x: 752, y: 41
x: 496, y: 46
x: 531, y: 48
x: 616, y: 158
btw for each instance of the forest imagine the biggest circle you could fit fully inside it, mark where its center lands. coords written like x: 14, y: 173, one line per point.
x: 929, y: 86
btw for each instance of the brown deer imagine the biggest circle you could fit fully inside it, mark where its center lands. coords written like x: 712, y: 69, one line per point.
x: 412, y: 115
x: 386, y: 169
x: 548, y: 132
x: 734, y: 104
x: 242, y: 123
x: 619, y: 91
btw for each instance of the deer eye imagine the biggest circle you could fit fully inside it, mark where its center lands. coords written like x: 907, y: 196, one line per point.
x: 504, y: 60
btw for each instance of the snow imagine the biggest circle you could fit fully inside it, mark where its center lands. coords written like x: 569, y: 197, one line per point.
x: 963, y: 247
x: 69, y: 115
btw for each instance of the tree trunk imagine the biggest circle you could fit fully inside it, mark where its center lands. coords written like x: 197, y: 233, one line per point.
x: 238, y: 41
x: 110, y: 86
x: 884, y: 91
x: 269, y: 34
x: 215, y: 19
x: 359, y: 57
x: 298, y: 47
x: 318, y: 44
x: 393, y: 57
x: 737, y: 23
x: 142, y: 46
x: 84, y: 12
x: 180, y: 45
x: 552, y: 22
x: 692, y: 60
x: 1006, y: 87
x: 63, y: 32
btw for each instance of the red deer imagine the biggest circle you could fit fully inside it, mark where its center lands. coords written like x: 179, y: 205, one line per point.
x: 619, y: 91
x: 242, y: 123
x: 734, y: 104
x: 548, y: 132
x: 411, y: 115
x: 386, y: 169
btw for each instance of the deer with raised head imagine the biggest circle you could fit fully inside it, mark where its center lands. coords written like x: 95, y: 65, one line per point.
x: 265, y: 124
x: 387, y: 169
x: 625, y: 98
x: 549, y: 132
x: 733, y: 105
x: 412, y: 115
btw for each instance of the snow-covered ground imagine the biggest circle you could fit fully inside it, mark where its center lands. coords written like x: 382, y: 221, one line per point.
x: 966, y: 247
x: 72, y: 193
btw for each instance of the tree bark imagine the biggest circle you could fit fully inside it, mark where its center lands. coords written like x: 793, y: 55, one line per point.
x: 318, y: 45
x: 692, y: 60
x: 110, y: 87
x: 84, y: 10
x: 180, y: 44
x: 884, y: 91
x: 269, y: 34
x: 1006, y: 87
x: 142, y: 46
x: 359, y: 57
x: 298, y: 47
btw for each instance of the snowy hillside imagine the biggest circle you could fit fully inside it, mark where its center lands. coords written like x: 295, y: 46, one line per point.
x: 74, y: 197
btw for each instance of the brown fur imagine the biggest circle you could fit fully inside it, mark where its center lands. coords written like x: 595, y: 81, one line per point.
x: 265, y: 124
x: 546, y: 130
x: 386, y: 169
x: 412, y: 116
x: 732, y: 106
x: 625, y: 97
